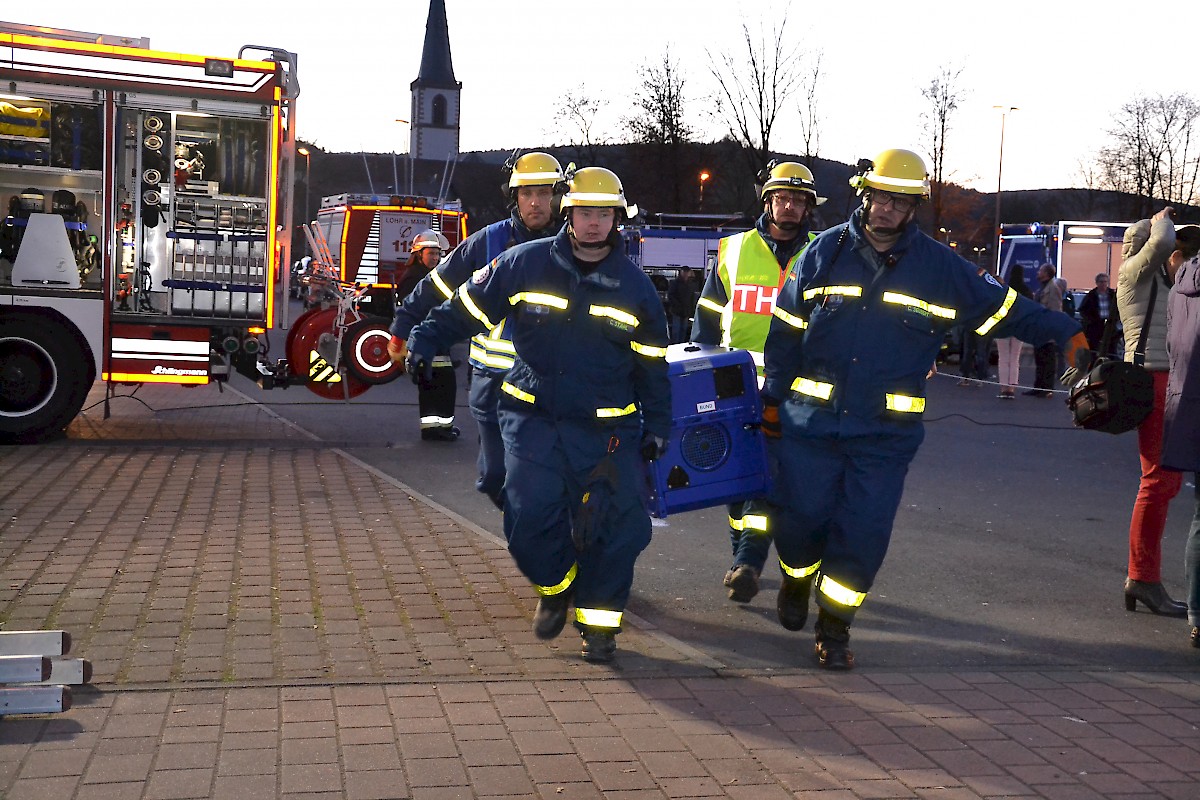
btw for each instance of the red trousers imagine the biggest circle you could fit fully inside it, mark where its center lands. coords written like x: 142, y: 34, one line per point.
x: 1154, y: 495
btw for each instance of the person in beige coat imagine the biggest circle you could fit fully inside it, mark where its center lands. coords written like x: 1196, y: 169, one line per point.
x: 1142, y: 287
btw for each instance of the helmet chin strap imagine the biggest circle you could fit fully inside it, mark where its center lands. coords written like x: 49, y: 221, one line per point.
x: 878, y: 231
x: 611, y: 240
x: 600, y: 245
x: 783, y: 226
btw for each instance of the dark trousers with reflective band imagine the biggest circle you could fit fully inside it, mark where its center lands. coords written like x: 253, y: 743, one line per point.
x: 483, y: 398
x: 750, y: 544
x: 435, y: 397
x: 837, y: 502
x: 540, y: 498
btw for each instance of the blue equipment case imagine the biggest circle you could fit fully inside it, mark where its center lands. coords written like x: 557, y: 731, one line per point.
x: 716, y: 453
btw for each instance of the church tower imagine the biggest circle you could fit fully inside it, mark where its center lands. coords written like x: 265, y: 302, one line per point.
x: 434, y: 128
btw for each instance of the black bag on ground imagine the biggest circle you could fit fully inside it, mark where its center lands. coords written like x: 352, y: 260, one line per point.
x: 1114, y: 397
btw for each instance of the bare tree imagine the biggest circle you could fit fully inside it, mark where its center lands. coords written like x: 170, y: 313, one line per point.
x: 944, y: 95
x: 754, y: 86
x: 659, y: 123
x: 1154, y: 152
x: 576, y: 119
x: 659, y: 105
x: 810, y: 130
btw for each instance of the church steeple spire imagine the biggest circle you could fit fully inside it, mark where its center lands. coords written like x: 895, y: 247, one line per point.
x: 434, y: 127
x: 437, y: 67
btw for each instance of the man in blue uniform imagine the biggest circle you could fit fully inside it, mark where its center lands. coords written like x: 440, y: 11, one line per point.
x: 587, y: 398
x: 534, y: 180
x: 857, y: 325
x: 734, y: 310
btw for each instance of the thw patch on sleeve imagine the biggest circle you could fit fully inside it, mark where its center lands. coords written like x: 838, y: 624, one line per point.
x: 481, y: 275
x: 990, y: 278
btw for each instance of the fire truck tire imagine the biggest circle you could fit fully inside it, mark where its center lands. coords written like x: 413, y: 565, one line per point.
x: 304, y: 361
x: 364, y: 351
x: 46, y: 371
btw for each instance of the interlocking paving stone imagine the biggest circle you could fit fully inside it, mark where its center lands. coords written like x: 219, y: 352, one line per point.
x: 267, y: 618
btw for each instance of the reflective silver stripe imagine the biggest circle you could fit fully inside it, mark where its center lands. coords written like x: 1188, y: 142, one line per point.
x: 604, y: 197
x: 908, y: 183
x: 443, y: 287
x: 839, y: 593
x: 436, y: 422
x: 520, y: 394
x: 561, y: 586
x: 790, y: 319
x: 711, y: 305
x: 812, y: 388
x: 905, y: 403
x: 615, y: 313
x: 539, y: 298
x: 605, y: 413
x: 848, y: 291
x: 536, y: 178
x: 905, y: 300
x: 1001, y: 313
x: 474, y: 310
x: 649, y: 350
x: 598, y: 618
x: 801, y: 572
x: 442, y: 361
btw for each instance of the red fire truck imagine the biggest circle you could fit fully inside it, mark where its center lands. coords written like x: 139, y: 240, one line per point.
x: 369, y: 237
x: 145, y: 192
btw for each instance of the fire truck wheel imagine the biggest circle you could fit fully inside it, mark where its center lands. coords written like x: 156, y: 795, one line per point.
x: 364, y: 351
x: 46, y: 370
x: 305, y: 359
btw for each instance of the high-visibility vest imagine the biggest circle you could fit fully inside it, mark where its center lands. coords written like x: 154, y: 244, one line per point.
x: 751, y: 276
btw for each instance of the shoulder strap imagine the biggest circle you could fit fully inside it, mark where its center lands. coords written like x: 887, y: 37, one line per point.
x: 1139, y: 352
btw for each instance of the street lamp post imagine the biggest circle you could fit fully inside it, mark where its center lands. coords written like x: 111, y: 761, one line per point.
x: 408, y: 167
x: 999, y: 172
x: 307, y: 163
x: 704, y: 176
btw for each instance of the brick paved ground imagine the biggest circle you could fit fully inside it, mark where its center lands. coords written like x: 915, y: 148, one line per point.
x: 269, y: 618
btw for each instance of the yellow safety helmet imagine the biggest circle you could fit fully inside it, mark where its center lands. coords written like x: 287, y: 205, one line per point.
x: 897, y: 171
x: 430, y: 238
x: 535, y: 169
x: 597, y: 187
x: 793, y: 176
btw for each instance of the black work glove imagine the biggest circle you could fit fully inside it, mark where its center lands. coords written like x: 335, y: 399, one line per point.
x: 419, y: 367
x: 652, y: 447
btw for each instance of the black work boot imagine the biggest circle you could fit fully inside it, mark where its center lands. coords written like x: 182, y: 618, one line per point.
x: 551, y: 614
x: 833, y: 643
x: 599, y: 647
x: 742, y: 581
x: 450, y: 434
x: 792, y: 603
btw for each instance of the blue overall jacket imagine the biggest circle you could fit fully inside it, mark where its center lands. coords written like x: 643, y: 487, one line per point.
x: 490, y: 349
x: 590, y: 349
x: 856, y: 331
